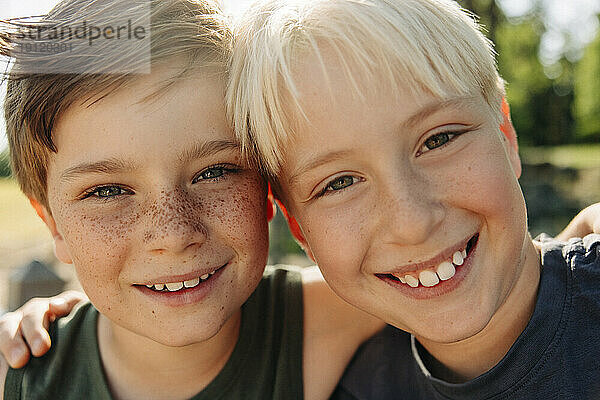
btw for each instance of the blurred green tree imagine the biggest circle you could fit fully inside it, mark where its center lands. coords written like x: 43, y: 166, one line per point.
x: 540, y: 97
x: 587, y: 97
x: 4, y: 164
x: 489, y: 14
x: 541, y: 106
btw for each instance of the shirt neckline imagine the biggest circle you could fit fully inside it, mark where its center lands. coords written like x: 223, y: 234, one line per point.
x: 541, y: 334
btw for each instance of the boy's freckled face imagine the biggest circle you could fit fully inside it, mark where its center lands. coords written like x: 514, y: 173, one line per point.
x: 155, y: 191
x: 396, y: 185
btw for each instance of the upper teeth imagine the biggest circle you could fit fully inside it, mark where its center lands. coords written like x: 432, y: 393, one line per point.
x: 429, y: 277
x: 175, y: 286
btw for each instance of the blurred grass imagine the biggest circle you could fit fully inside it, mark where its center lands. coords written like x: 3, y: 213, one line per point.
x: 575, y: 156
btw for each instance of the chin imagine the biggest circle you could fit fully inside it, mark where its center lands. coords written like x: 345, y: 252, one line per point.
x: 181, y: 337
x: 454, y: 330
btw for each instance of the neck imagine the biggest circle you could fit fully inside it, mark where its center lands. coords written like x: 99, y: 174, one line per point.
x: 467, y: 359
x: 137, y: 367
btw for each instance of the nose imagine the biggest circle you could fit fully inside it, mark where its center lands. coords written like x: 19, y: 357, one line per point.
x: 410, y: 210
x: 174, y: 223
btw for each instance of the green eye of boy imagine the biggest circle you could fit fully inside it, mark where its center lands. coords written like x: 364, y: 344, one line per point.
x: 109, y: 191
x: 436, y: 141
x: 341, y: 183
x: 211, y: 173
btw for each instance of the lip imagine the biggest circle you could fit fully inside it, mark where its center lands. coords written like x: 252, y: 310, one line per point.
x: 442, y: 288
x: 186, y: 296
x: 179, y: 278
x: 432, y: 262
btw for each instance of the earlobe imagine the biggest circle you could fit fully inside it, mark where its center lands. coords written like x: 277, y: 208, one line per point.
x: 60, y: 247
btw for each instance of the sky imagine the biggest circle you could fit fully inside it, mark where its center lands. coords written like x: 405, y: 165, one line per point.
x: 578, y: 17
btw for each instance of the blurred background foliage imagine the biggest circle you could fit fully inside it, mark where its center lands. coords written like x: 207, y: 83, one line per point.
x: 552, y: 75
x: 4, y: 164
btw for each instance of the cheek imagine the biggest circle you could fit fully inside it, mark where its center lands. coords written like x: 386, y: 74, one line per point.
x: 487, y: 186
x: 337, y: 237
x: 98, y: 244
x: 240, y: 216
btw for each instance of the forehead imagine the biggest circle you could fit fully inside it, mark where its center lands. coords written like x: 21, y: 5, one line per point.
x: 331, y: 94
x: 144, y: 119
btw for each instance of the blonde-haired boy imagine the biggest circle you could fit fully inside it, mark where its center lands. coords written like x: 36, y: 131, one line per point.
x: 143, y: 186
x: 378, y: 121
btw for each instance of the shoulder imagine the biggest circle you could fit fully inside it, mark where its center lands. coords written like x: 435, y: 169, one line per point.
x: 584, y: 251
x: 579, y: 254
x: 64, y: 368
x: 329, y: 323
x: 375, y: 371
x: 280, y: 290
x: 327, y: 315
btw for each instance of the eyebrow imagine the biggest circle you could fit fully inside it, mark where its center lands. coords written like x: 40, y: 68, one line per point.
x: 317, y: 162
x: 115, y: 165
x: 107, y: 166
x: 433, y: 108
x: 410, y: 122
x: 206, y: 149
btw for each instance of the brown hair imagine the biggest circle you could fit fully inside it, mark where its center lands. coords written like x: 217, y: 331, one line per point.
x: 194, y: 31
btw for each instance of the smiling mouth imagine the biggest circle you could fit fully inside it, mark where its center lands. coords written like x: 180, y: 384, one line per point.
x: 170, y: 287
x: 431, y: 277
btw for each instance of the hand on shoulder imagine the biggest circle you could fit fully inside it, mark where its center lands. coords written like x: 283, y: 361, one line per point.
x: 586, y: 222
x: 24, y: 332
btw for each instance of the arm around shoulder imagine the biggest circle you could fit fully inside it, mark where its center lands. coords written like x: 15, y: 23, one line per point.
x: 333, y: 330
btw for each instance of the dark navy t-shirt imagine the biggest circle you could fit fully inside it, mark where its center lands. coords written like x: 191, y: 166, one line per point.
x: 557, y: 356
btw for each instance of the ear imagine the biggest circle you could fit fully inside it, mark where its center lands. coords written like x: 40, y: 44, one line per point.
x: 509, y: 132
x: 271, y: 208
x: 60, y: 247
x: 296, y: 231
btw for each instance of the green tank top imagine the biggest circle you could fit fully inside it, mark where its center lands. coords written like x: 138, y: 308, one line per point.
x: 266, y: 362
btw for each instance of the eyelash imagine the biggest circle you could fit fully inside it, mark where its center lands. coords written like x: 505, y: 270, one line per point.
x: 327, y: 190
x: 226, y: 169
x: 453, y: 134
x: 93, y: 192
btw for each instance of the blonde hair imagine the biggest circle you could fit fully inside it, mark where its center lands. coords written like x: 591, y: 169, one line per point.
x: 431, y: 45
x: 194, y: 33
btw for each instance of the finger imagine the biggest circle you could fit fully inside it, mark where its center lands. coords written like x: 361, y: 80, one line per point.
x: 63, y: 303
x: 13, y: 347
x: 34, y: 326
